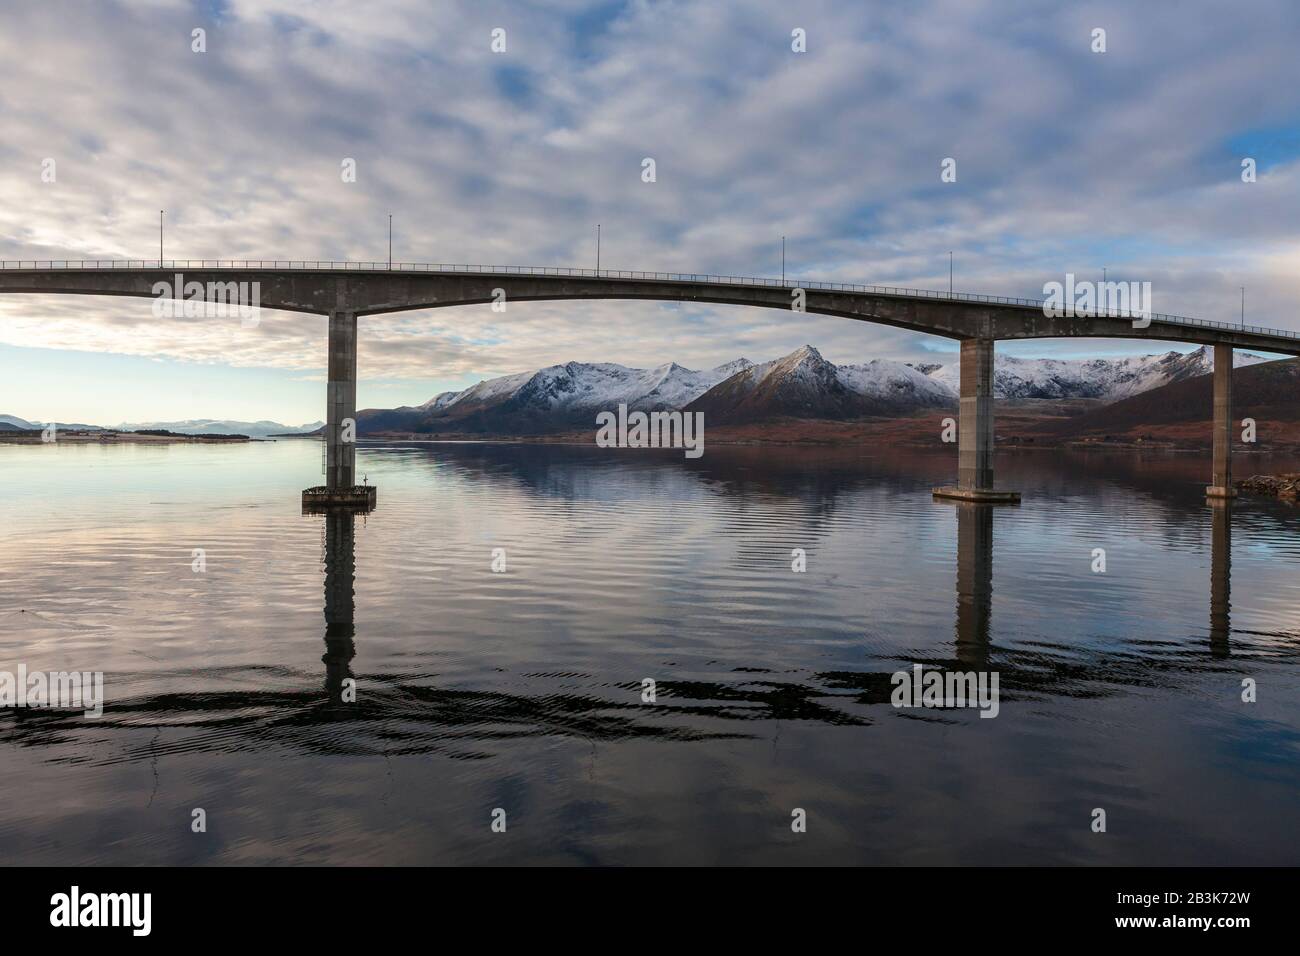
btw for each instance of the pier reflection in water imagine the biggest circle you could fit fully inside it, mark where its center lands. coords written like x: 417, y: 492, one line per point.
x: 1220, y: 575
x: 975, y: 579
x: 972, y: 632
x: 523, y: 689
x: 340, y: 600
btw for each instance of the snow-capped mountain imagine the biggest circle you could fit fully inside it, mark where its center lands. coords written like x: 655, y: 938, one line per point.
x: 895, y: 382
x: 802, y: 384
x: 599, y: 386
x: 551, y: 398
x: 210, y: 426
x: 805, y: 385
x: 1109, y: 379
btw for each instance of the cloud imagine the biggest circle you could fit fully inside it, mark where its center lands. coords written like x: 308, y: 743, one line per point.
x: 1067, y: 161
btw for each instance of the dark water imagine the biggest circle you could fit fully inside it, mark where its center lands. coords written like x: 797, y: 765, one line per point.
x: 522, y: 690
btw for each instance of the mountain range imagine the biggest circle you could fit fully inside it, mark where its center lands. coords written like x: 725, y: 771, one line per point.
x: 1267, y: 392
x: 210, y: 426
x: 801, y: 385
x: 193, y: 426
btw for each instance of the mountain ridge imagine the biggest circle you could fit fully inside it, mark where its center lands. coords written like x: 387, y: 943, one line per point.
x: 802, y: 384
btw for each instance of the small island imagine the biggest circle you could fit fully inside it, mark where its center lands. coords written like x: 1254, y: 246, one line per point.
x: 35, y: 436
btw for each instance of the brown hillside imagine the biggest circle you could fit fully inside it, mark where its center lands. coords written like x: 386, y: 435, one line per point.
x: 1181, y: 411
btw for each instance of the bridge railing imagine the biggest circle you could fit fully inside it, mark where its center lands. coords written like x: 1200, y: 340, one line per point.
x: 318, y: 265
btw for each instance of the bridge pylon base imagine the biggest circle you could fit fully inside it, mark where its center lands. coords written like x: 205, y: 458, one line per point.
x: 988, y: 496
x: 322, y: 499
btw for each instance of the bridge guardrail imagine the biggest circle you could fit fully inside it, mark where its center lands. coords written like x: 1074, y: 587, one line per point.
x: 441, y: 267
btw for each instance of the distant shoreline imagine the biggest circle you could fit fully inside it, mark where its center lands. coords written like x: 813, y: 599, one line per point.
x: 119, y: 438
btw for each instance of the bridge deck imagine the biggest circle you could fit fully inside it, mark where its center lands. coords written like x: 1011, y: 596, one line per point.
x: 1286, y: 341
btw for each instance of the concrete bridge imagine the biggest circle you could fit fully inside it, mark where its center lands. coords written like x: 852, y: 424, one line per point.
x: 345, y: 290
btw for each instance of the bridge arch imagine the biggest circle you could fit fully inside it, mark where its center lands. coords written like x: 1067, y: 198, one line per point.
x: 344, y: 291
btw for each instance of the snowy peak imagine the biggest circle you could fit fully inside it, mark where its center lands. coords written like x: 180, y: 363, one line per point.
x: 803, y: 367
x: 731, y: 368
x: 1107, y: 379
x: 803, y: 384
x: 577, y: 386
x: 894, y: 381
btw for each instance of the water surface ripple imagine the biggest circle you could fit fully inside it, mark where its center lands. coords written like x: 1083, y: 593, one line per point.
x: 523, y: 690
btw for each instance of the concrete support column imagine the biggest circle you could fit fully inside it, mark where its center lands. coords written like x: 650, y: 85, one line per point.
x: 341, y: 402
x: 975, y: 428
x: 1221, y: 483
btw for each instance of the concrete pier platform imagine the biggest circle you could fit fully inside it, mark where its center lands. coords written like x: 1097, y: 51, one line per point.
x: 987, y: 496
x: 322, y: 498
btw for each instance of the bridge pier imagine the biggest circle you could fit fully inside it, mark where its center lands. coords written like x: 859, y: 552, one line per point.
x: 1221, y: 477
x: 975, y: 429
x: 341, y: 402
x: 341, y: 486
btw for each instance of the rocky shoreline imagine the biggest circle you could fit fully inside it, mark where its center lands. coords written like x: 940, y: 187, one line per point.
x: 1278, y: 486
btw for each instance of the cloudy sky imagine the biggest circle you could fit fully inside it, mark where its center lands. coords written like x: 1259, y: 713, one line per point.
x: 1067, y: 161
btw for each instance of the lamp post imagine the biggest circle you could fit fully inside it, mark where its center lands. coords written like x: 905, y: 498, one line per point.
x: 160, y: 238
x: 950, y: 273
x: 783, y: 260
x: 597, y: 248
x: 390, y: 242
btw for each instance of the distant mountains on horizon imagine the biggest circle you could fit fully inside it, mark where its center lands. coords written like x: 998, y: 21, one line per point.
x: 193, y: 426
x: 801, y: 385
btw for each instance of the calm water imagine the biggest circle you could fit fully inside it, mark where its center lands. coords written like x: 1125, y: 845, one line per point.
x: 522, y: 690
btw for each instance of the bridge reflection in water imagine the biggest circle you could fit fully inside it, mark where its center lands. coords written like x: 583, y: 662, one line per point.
x: 975, y: 580
x: 1220, y: 576
x: 973, y: 629
x: 419, y: 716
x: 340, y: 600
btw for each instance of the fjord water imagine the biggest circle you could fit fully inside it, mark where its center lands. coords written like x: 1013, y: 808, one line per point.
x: 522, y: 690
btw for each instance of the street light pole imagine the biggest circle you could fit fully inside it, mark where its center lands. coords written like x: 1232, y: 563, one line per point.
x: 160, y: 238
x: 783, y: 260
x: 390, y: 242
x: 950, y: 273
x: 597, y: 248
x: 1243, y: 307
